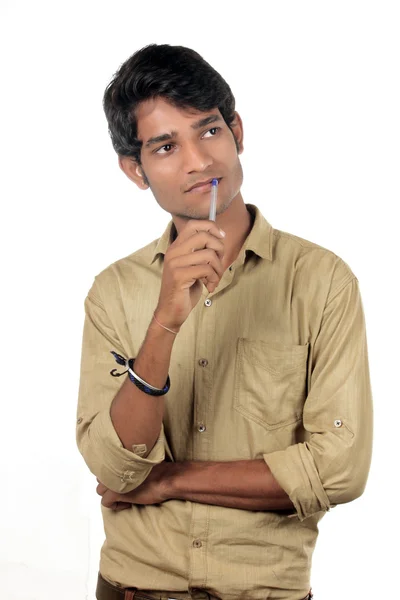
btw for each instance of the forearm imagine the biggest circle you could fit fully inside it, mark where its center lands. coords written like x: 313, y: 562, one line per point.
x: 244, y: 484
x: 137, y: 416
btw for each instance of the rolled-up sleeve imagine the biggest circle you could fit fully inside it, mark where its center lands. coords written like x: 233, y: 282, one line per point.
x: 120, y: 469
x: 333, y: 466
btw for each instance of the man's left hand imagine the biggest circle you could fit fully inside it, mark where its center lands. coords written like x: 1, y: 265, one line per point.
x: 153, y: 490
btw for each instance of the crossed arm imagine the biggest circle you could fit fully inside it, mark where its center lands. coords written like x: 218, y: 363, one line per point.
x: 330, y: 468
x: 244, y: 484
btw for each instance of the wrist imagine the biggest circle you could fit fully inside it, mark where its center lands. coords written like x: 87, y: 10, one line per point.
x: 164, y: 322
x: 170, y: 484
x: 155, y: 331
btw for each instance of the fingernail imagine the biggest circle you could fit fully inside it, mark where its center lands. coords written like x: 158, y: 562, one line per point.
x: 222, y: 233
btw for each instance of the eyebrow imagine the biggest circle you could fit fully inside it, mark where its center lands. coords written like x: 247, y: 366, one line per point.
x: 164, y: 137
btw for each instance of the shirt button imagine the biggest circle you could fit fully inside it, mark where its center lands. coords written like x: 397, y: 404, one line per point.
x: 201, y: 427
x: 203, y: 362
x: 197, y: 544
x: 208, y: 302
x: 231, y: 268
x: 80, y: 420
x: 127, y: 476
x: 338, y: 423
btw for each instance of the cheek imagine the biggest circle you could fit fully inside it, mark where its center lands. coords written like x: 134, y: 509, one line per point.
x: 237, y: 176
x: 164, y: 172
x: 228, y: 152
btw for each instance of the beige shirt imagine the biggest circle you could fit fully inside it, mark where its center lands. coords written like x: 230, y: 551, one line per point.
x: 273, y: 364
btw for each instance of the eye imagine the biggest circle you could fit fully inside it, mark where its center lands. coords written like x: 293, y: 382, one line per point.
x: 165, y: 146
x: 216, y: 129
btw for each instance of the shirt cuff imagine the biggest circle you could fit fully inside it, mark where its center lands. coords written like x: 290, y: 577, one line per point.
x: 120, y: 469
x: 295, y: 471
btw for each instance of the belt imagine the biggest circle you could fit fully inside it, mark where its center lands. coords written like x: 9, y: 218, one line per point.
x: 107, y: 591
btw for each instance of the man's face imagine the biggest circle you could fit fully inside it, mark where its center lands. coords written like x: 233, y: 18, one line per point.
x: 188, y: 152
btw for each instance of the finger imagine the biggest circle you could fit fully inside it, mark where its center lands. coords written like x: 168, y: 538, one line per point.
x: 199, y: 241
x: 194, y: 226
x: 101, y: 488
x: 108, y: 498
x: 191, y: 274
x: 121, y: 506
x: 191, y: 247
x: 201, y: 257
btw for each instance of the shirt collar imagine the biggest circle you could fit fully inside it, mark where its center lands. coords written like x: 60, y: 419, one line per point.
x: 258, y: 241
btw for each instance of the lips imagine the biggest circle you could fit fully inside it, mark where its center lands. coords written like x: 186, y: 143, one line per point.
x: 201, y: 183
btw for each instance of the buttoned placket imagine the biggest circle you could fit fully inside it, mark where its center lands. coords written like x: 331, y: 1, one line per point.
x: 202, y: 426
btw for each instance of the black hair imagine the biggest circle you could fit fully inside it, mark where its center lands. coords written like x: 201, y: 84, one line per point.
x: 176, y: 73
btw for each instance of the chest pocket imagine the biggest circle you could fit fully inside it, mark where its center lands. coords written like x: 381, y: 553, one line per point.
x: 270, y: 382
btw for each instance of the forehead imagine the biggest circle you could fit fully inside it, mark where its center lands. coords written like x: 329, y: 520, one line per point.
x: 157, y: 115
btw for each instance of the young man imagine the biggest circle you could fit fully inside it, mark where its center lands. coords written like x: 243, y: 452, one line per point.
x: 247, y: 412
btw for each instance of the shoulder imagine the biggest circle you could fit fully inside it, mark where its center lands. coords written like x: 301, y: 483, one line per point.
x: 315, y: 262
x: 123, y: 273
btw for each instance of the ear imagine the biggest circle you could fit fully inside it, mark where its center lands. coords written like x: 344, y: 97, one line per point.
x: 237, y: 128
x: 133, y: 170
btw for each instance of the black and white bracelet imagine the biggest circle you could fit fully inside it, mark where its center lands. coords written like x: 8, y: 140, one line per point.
x: 138, y: 381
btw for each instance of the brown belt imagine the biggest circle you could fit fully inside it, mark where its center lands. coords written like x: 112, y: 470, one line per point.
x: 107, y: 591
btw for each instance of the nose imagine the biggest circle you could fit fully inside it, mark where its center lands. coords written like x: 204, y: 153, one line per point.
x: 196, y: 158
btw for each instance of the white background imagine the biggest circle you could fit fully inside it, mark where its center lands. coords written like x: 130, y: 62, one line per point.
x: 317, y: 87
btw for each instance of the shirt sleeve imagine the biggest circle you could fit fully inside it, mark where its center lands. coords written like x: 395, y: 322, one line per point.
x: 332, y: 467
x: 118, y: 468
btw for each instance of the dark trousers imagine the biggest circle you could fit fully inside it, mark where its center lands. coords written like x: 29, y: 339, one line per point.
x: 106, y: 591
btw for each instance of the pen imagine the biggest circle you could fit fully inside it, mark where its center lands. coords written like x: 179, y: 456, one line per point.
x: 213, y: 204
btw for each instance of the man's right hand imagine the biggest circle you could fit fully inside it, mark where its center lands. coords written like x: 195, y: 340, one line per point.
x: 195, y: 257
